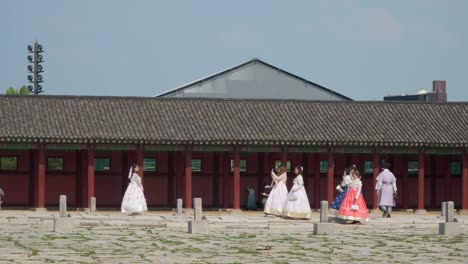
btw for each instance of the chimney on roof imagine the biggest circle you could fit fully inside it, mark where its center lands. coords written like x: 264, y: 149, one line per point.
x: 439, y: 88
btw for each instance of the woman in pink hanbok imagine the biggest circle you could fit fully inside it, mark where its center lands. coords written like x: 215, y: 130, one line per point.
x: 353, y: 206
x: 279, y: 193
x: 134, y: 201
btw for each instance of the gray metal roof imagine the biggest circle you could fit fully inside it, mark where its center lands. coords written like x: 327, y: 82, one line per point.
x: 255, y: 79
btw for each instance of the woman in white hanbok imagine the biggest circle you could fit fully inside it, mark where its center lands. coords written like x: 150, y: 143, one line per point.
x: 134, y: 201
x: 275, y: 202
x: 297, y: 205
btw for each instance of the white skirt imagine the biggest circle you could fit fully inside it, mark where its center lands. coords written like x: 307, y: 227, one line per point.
x: 275, y: 202
x: 134, y: 200
x: 300, y: 208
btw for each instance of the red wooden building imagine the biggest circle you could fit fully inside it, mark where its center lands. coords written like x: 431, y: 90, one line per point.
x: 213, y: 148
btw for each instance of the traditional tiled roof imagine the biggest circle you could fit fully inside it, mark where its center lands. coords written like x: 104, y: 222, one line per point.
x: 82, y: 119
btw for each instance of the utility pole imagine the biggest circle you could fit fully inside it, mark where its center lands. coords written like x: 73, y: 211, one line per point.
x: 36, y: 68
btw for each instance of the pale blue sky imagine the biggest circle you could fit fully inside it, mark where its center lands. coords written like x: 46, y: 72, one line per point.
x: 362, y: 49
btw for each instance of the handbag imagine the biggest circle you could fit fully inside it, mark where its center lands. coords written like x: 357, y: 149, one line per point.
x: 292, y: 198
x: 354, y: 207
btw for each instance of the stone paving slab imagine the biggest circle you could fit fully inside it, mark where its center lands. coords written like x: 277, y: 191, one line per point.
x: 161, y: 237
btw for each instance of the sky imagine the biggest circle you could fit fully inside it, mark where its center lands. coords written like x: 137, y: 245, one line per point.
x: 362, y: 49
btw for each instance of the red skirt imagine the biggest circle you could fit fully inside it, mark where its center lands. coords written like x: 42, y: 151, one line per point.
x: 345, y: 211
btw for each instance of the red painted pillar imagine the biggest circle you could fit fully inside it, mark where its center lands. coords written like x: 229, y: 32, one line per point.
x: 188, y: 178
x: 376, y: 172
x: 226, y: 170
x: 90, y: 175
x: 179, y: 171
x: 421, y: 180
x: 139, y: 161
x: 41, y: 174
x: 236, y: 189
x: 284, y: 157
x: 170, y: 178
x: 330, y: 173
x: 316, y: 162
x: 465, y: 181
x: 404, y: 173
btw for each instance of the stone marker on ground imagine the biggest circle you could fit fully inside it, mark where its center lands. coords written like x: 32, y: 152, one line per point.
x: 63, y: 206
x: 443, y: 209
x: 92, y: 205
x: 324, y: 211
x: 63, y: 225
x: 197, y: 209
x: 449, y: 227
x: 198, y: 225
x: 449, y: 207
x: 324, y: 228
x: 179, y: 207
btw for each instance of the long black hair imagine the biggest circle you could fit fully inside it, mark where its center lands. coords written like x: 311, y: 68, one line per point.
x: 300, y: 168
x: 353, y: 167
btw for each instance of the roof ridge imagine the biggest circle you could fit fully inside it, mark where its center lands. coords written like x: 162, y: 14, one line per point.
x: 147, y: 98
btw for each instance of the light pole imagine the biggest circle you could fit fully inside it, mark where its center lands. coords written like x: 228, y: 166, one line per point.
x: 35, y: 59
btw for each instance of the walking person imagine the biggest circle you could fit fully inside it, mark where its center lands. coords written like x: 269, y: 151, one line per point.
x: 297, y: 205
x: 278, y: 194
x: 343, y: 189
x: 387, y: 189
x: 354, y: 207
x: 251, y: 200
x: 134, y: 201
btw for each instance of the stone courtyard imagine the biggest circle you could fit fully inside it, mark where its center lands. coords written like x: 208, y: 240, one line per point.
x: 234, y: 237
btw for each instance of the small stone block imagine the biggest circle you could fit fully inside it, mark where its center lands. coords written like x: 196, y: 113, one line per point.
x: 179, y: 206
x: 450, y: 207
x: 197, y: 209
x: 443, y: 209
x: 198, y: 227
x: 63, y: 225
x: 92, y: 206
x: 63, y: 206
x: 324, y: 228
x: 449, y: 228
x: 324, y: 211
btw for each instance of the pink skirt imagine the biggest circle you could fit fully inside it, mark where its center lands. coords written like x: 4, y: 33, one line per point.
x: 345, y: 211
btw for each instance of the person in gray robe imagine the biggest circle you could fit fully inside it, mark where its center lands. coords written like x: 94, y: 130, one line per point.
x: 387, y: 189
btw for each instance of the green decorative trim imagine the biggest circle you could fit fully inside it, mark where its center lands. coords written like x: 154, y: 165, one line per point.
x: 18, y: 146
x: 212, y: 148
x: 158, y: 148
x: 101, y: 147
x: 443, y: 151
x: 353, y: 150
x: 66, y: 146
x: 398, y: 151
x: 259, y: 149
x: 307, y: 150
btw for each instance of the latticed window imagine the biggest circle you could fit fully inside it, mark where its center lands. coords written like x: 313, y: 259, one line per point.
x: 196, y: 165
x: 8, y: 163
x: 55, y: 164
x: 413, y: 167
x: 242, y: 165
x: 102, y: 164
x: 149, y: 164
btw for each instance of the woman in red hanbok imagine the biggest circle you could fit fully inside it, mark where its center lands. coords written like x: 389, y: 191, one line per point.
x: 354, y: 207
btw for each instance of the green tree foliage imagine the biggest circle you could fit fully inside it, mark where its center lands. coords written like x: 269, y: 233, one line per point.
x: 11, y: 91
x: 23, y: 90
